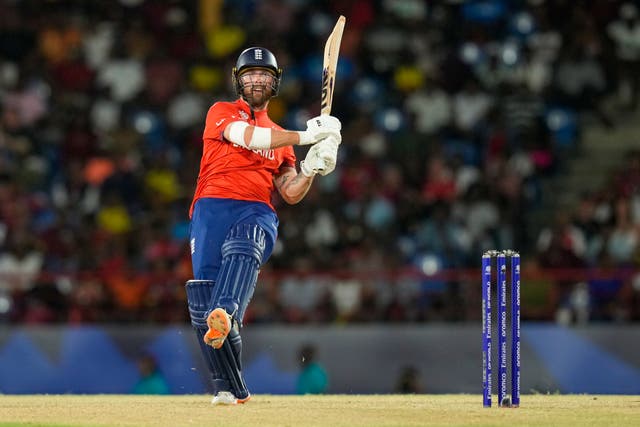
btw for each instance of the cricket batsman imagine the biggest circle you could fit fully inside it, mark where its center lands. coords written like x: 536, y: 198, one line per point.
x: 233, y: 223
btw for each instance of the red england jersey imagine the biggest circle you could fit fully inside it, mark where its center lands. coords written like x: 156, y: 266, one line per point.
x: 231, y: 171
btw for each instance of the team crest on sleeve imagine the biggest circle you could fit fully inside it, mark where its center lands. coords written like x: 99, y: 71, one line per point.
x: 244, y: 115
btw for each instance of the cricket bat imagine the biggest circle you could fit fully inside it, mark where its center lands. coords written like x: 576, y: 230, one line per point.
x: 329, y: 65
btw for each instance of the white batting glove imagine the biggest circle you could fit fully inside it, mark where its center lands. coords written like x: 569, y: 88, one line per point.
x: 321, y: 127
x: 328, y: 152
x: 321, y: 158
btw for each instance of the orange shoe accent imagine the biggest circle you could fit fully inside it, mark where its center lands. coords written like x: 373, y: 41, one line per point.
x: 219, y: 323
x: 228, y: 398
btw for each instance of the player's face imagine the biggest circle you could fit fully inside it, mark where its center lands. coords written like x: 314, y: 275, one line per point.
x: 257, y: 84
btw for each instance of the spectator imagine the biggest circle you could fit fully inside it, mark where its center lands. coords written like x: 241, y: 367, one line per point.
x: 625, y: 33
x: 430, y: 107
x: 151, y: 379
x: 20, y: 263
x: 312, y: 378
x: 409, y: 381
x: 581, y: 83
x: 623, y: 239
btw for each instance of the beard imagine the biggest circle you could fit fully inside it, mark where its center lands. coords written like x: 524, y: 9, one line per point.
x: 257, y: 96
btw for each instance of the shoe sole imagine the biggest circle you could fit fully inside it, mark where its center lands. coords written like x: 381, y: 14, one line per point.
x: 219, y: 326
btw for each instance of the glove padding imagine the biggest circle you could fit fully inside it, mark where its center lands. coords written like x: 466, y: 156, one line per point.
x: 321, y: 127
x: 321, y: 158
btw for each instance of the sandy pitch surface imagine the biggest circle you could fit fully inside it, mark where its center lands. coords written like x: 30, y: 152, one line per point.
x: 329, y: 410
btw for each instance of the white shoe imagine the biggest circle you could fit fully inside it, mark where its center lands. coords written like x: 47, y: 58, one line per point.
x: 227, y: 398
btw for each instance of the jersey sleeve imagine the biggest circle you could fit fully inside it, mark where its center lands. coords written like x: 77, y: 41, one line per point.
x: 219, y: 116
x: 289, y: 158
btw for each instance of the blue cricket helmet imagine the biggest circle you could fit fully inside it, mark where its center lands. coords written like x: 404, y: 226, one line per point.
x: 256, y: 57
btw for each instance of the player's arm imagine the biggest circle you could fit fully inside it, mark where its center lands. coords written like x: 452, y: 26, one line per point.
x: 321, y: 159
x: 291, y: 185
x: 261, y: 138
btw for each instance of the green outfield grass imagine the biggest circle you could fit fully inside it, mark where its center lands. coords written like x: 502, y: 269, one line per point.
x: 331, y: 410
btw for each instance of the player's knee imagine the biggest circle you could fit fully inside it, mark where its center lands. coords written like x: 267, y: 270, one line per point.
x: 245, y: 239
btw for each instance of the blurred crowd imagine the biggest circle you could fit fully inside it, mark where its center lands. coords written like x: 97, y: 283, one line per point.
x: 453, y: 112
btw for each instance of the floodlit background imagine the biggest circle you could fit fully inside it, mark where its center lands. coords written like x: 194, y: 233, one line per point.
x: 467, y: 126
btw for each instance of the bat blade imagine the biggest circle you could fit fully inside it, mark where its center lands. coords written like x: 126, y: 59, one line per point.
x: 329, y: 65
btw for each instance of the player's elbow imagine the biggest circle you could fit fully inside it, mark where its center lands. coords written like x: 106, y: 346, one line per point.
x: 292, y: 195
x: 292, y: 199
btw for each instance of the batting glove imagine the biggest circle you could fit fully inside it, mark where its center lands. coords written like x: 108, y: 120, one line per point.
x: 321, y: 158
x: 319, y: 128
